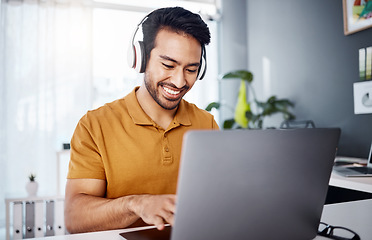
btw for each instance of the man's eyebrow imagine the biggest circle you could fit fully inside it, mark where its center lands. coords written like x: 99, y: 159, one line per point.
x: 165, y: 57
x: 169, y: 59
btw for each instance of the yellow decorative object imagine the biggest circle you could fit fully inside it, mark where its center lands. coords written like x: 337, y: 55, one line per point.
x: 242, y: 106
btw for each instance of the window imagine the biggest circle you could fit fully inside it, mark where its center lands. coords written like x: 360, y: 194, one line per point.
x: 113, y: 79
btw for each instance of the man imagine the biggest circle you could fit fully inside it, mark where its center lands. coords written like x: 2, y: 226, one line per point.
x: 125, y: 155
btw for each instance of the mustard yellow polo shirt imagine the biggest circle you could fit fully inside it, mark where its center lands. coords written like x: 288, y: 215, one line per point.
x: 119, y: 143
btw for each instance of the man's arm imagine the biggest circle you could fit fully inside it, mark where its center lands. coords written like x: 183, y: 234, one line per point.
x: 86, y: 208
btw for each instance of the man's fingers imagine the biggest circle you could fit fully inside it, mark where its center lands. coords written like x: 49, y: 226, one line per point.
x: 168, y: 217
x: 172, y: 206
x: 154, y: 220
x: 157, y: 209
x: 160, y: 227
x: 158, y: 222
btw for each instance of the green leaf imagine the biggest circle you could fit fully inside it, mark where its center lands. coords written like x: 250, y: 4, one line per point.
x: 284, y: 102
x: 272, y: 99
x: 32, y: 177
x: 249, y: 115
x: 212, y: 105
x: 228, y: 124
x: 241, y: 74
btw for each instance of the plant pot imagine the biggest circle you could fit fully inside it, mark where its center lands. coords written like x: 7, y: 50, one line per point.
x: 31, y: 188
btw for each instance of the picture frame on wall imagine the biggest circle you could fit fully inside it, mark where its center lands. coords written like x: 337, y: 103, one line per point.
x: 357, y: 15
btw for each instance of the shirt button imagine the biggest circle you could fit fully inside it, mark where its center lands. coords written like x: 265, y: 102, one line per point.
x: 166, y: 149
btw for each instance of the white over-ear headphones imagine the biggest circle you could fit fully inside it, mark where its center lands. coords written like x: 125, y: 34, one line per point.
x: 137, y: 56
x: 136, y: 51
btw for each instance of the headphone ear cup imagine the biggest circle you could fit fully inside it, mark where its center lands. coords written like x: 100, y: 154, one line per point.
x: 131, y: 56
x: 140, y: 61
x: 203, y: 66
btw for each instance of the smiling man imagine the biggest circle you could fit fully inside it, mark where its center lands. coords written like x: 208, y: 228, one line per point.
x: 125, y: 155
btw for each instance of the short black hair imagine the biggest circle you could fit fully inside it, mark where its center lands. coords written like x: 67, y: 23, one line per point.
x: 176, y: 19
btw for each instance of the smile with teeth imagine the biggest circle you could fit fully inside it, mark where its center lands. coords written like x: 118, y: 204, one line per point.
x: 170, y: 91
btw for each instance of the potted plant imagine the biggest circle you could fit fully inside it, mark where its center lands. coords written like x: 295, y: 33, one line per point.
x: 250, y: 114
x: 32, y: 185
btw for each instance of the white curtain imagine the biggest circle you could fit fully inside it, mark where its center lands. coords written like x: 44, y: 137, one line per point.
x: 45, y: 81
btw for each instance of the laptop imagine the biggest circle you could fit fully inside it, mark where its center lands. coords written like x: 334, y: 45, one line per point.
x: 251, y: 184
x: 356, y: 171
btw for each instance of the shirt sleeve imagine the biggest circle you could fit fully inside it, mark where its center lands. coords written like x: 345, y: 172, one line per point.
x: 85, y: 159
x: 215, y: 125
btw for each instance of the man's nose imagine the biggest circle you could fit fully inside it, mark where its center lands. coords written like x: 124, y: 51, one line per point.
x: 178, y: 78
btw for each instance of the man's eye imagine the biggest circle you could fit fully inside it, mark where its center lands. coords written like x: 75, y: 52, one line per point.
x: 192, y: 70
x: 167, y: 66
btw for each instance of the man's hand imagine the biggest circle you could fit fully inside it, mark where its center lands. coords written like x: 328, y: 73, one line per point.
x: 87, y: 209
x: 156, y: 209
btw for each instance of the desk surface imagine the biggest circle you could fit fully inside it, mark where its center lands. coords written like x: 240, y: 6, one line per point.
x: 354, y: 215
x: 107, y: 235
x: 363, y: 184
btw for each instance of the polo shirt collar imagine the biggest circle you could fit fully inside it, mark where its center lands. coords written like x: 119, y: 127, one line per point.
x: 135, y: 110
x: 141, y: 118
x: 182, y: 115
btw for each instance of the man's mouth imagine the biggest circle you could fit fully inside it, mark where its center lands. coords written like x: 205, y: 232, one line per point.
x: 170, y: 91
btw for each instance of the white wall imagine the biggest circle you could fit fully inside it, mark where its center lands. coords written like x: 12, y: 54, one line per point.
x: 233, y: 51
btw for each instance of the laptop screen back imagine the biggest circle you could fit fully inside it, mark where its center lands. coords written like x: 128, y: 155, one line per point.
x: 256, y: 184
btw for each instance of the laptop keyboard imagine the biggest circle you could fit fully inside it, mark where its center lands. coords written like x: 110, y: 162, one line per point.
x: 364, y: 170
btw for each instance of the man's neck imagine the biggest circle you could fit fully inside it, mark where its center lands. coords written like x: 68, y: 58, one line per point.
x: 159, y: 115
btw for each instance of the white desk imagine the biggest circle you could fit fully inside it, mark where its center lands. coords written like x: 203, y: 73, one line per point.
x: 106, y: 235
x: 354, y: 215
x: 363, y: 184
